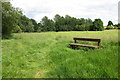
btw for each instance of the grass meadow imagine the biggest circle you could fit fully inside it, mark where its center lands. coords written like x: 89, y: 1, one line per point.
x: 48, y: 55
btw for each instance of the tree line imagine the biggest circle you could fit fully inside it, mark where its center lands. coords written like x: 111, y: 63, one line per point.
x: 13, y: 21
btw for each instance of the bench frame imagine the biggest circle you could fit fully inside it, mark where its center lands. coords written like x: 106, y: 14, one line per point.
x: 75, y: 44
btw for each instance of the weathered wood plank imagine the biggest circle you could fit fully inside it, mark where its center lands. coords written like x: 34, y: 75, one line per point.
x: 85, y: 45
x: 87, y: 39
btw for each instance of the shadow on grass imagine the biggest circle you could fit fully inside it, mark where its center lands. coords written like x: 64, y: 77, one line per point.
x: 83, y: 48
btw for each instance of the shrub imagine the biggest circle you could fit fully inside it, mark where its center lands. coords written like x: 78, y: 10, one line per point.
x: 109, y: 27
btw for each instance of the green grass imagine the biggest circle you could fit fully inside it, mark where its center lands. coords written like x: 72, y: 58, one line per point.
x: 47, y: 55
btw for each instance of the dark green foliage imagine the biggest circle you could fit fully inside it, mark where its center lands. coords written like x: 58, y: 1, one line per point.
x: 9, y: 19
x: 85, y: 27
x: 17, y: 29
x: 26, y: 24
x: 118, y: 25
x: 39, y: 27
x: 35, y: 25
x: 29, y: 26
x: 47, y: 24
x: 110, y: 23
x: 98, y: 25
x: 82, y: 21
x: 15, y: 21
x: 69, y: 23
x: 59, y: 21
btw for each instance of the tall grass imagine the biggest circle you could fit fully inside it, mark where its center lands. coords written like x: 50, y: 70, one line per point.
x: 47, y: 55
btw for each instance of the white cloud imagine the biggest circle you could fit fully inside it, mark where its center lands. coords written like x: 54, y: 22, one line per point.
x: 37, y: 9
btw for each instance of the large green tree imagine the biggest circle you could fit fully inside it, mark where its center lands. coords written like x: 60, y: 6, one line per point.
x: 59, y: 21
x: 110, y: 23
x: 48, y: 24
x: 98, y: 25
x: 26, y: 24
x: 39, y: 27
x: 35, y: 25
x: 9, y: 19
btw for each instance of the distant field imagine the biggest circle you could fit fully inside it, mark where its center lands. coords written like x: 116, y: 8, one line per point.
x: 47, y: 55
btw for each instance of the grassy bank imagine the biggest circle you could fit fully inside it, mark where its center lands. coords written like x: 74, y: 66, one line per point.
x: 47, y: 55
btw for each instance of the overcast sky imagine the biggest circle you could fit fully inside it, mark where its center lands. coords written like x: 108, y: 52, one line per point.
x: 37, y: 9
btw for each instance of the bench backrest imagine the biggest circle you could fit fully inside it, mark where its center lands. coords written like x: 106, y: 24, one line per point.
x: 88, y: 39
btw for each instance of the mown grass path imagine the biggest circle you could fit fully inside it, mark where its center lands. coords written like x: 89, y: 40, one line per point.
x: 47, y: 55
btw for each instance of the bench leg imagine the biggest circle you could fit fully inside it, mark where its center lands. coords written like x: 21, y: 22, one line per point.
x: 73, y: 46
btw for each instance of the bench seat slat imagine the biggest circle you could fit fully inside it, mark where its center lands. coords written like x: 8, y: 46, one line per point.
x: 87, y: 39
x: 84, y: 45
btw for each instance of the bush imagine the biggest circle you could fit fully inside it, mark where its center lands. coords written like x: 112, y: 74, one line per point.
x: 109, y: 27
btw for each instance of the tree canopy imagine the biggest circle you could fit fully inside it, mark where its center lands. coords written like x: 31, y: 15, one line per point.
x: 110, y: 23
x: 98, y: 25
x: 9, y: 19
x: 14, y: 21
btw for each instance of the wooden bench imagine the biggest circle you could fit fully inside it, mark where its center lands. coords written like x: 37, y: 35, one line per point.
x: 74, y: 45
